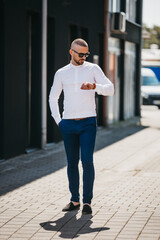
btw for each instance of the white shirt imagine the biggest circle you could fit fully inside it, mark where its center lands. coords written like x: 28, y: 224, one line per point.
x: 78, y: 103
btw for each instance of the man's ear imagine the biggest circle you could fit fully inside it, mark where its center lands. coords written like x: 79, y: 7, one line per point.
x: 70, y: 51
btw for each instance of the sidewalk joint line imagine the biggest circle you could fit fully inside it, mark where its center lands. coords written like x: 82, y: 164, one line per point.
x: 12, y: 219
x: 26, y: 222
x: 144, y: 225
x: 105, y: 224
x: 125, y: 225
x: 43, y: 225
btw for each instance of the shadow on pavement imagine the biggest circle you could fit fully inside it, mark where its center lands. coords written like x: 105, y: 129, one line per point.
x: 113, y: 135
x: 69, y: 226
x: 28, y: 168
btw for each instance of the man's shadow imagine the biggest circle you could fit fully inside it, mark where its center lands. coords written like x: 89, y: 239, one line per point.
x: 69, y: 226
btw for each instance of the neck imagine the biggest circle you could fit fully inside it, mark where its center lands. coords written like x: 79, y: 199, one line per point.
x: 74, y: 63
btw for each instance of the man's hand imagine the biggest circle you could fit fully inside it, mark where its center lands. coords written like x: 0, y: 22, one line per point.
x: 88, y: 86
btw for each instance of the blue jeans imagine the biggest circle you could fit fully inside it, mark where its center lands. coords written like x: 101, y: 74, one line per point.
x: 79, y: 135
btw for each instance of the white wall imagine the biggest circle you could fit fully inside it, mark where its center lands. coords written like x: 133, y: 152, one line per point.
x: 129, y: 80
x: 113, y: 103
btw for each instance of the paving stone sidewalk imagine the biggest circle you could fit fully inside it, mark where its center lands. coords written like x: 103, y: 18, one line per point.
x: 126, y: 204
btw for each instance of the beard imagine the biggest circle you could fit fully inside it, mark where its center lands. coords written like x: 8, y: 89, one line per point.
x: 79, y: 62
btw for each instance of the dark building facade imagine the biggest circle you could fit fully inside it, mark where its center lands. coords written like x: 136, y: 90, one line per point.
x: 21, y: 63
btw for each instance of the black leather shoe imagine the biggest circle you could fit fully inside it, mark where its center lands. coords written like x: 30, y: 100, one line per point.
x: 86, y: 209
x: 70, y: 207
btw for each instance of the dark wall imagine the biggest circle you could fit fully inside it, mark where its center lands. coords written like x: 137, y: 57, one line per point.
x: 14, y: 79
x: 1, y: 77
x: 62, y: 14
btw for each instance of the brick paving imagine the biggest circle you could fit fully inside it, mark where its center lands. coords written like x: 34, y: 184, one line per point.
x: 126, y: 204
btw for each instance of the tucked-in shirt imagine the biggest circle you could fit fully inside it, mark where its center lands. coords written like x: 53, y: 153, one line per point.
x: 78, y: 103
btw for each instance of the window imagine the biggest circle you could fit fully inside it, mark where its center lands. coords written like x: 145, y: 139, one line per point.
x: 131, y: 10
x: 114, y: 5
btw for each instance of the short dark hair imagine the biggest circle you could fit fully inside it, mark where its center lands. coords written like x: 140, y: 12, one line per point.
x: 80, y: 42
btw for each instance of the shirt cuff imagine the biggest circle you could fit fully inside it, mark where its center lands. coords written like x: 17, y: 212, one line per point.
x: 98, y: 88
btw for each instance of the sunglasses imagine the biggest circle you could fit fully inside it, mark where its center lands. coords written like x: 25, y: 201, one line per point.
x: 82, y: 54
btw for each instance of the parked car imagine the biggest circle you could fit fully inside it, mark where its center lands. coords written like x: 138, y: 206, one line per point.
x: 150, y: 89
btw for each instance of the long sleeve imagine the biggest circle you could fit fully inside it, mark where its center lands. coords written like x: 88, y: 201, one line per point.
x: 55, y: 92
x: 103, y: 85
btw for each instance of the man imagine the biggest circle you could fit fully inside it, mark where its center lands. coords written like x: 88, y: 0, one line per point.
x: 79, y: 81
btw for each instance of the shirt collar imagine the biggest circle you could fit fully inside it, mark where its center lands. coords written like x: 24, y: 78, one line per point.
x: 78, y: 66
